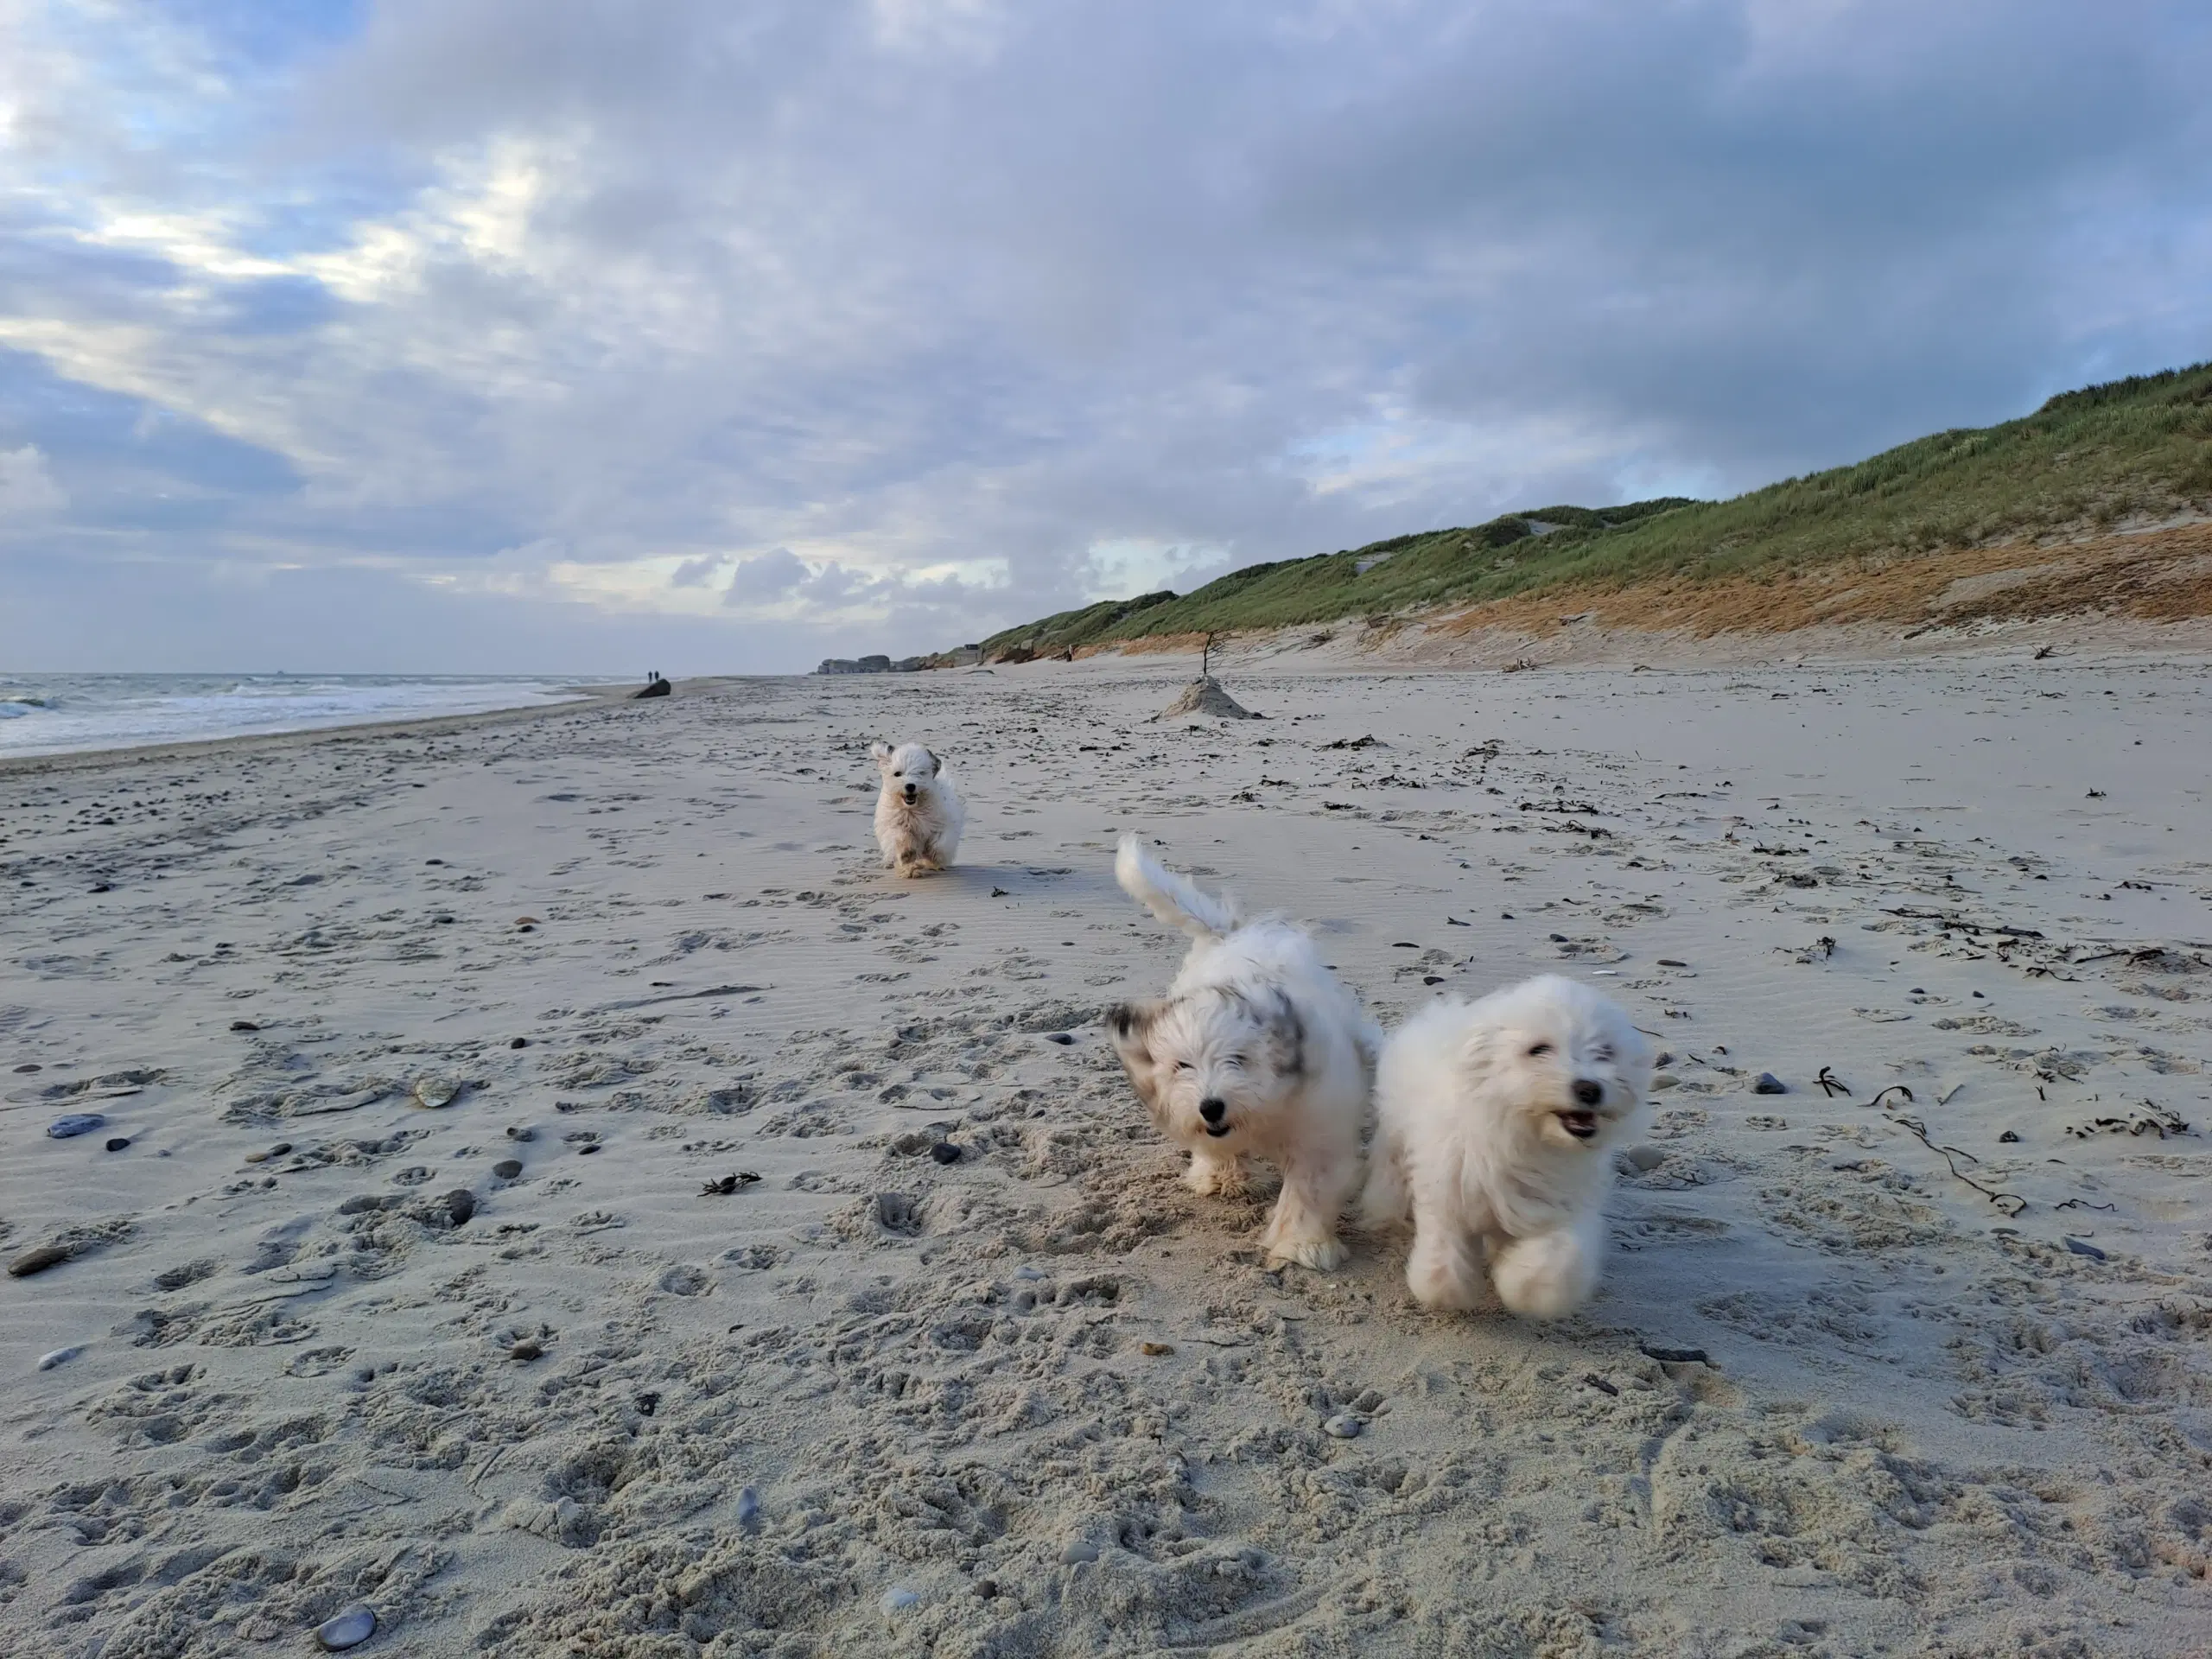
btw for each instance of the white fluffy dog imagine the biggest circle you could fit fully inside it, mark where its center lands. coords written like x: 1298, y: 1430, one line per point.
x: 1256, y: 1049
x: 918, y: 812
x: 1497, y: 1125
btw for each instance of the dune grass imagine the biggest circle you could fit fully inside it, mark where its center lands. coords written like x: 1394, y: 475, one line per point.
x: 2086, y: 460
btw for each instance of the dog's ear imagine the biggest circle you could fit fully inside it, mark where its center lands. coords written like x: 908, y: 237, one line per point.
x: 1286, y: 1033
x: 1129, y: 1024
x: 880, y: 753
x: 936, y: 764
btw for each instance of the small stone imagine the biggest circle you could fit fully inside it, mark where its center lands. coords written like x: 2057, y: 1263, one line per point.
x: 117, y: 1142
x: 1674, y: 1355
x: 2009, y: 1137
x: 1669, y: 961
x: 1643, y: 1159
x: 518, y: 1042
x: 58, y: 1356
x: 29, y: 1065
x: 518, y: 1134
x: 276, y: 1151
x: 2080, y: 1248
x: 987, y: 1588
x: 461, y: 1204
x: 748, y: 1508
x: 900, y: 1600
x: 508, y: 1168
x: 434, y: 1092
x: 946, y: 1153
x: 38, y: 1261
x: 587, y: 1148
x: 1343, y: 1426
x: 1063, y: 1039
x: 1080, y: 1551
x: 244, y: 1024
x: 76, y: 1123
x: 1155, y: 1349
x: 527, y: 1350
x: 346, y: 1630
x: 360, y: 1204
x: 1767, y: 1084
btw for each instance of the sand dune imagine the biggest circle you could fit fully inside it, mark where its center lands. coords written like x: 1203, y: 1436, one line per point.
x: 1951, y: 1320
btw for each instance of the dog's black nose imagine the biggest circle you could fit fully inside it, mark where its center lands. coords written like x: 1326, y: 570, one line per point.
x: 1589, y: 1093
x: 1213, y: 1110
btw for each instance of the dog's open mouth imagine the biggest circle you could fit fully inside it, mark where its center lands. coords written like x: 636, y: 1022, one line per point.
x: 1217, y: 1130
x: 910, y: 793
x: 1580, y: 1125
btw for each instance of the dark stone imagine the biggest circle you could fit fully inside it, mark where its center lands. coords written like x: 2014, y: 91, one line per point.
x: 525, y: 1350
x: 2089, y: 1251
x: 244, y: 1024
x: 38, y: 1261
x: 508, y: 1168
x: 587, y: 1149
x: 1674, y: 1355
x: 461, y: 1204
x: 2009, y: 1137
x: 518, y: 1042
x: 946, y: 1153
x: 658, y: 688
x: 1767, y: 1084
x: 1062, y: 1037
x: 117, y: 1142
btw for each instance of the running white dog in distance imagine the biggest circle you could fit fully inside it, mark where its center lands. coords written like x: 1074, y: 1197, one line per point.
x: 1257, y: 1049
x: 918, y: 812
x: 1497, y: 1126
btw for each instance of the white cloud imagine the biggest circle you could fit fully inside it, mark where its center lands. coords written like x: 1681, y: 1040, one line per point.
x: 28, y: 487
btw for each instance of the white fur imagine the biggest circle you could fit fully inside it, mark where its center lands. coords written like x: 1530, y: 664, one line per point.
x: 918, y: 814
x: 1476, y: 1112
x: 1256, y: 1028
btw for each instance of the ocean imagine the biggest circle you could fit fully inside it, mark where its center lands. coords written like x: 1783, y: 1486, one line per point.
x: 62, y: 714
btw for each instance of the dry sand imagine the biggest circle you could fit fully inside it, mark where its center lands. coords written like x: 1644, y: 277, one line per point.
x: 1041, y: 1400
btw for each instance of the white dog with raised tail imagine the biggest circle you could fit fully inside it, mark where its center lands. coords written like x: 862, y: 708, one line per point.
x: 1256, y: 1050
x: 918, y: 812
x: 1497, y: 1123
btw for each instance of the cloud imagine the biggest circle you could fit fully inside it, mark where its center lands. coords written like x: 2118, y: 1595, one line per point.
x: 888, y: 322
x: 27, y: 489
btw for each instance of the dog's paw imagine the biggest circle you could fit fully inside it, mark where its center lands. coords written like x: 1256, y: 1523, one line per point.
x: 1322, y: 1255
x: 1214, y: 1179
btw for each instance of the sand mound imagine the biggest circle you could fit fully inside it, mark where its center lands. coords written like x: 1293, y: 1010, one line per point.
x: 1205, y: 696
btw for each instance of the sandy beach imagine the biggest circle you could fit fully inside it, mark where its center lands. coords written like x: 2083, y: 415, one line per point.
x: 672, y: 1235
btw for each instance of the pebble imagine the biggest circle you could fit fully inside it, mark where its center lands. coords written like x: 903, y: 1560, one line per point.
x: 1767, y: 1084
x: 514, y: 1134
x: 30, y: 1066
x: 434, y: 1092
x: 527, y: 1350
x: 2089, y: 1251
x: 2010, y: 1137
x: 587, y: 1148
x: 276, y: 1151
x: 461, y: 1204
x: 1080, y: 1551
x: 1675, y: 1356
x: 346, y: 1630
x: 508, y: 1168
x: 117, y: 1142
x: 58, y: 1356
x: 360, y: 1204
x: 518, y: 1042
x: 898, y: 1600
x: 748, y: 1508
x: 76, y: 1123
x: 244, y: 1024
x: 38, y: 1261
x: 1155, y: 1349
x: 946, y: 1153
x: 1343, y: 1426
x: 1644, y: 1158
x: 1060, y: 1037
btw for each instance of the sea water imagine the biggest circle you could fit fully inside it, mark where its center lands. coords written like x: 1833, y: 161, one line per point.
x: 59, y: 714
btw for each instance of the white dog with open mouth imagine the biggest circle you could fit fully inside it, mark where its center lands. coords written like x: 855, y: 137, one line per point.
x: 1497, y: 1125
x: 918, y: 812
x: 1257, y: 1049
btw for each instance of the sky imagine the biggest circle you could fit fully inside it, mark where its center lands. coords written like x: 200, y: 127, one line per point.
x: 603, y: 336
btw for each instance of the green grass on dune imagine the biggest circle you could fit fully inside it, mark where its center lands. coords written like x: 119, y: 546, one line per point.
x: 2085, y: 460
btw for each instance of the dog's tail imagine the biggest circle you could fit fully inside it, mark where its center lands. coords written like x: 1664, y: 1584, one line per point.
x: 1170, y: 897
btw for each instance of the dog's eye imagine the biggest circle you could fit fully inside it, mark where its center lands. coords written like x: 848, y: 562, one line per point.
x: 1184, y: 1065
x: 1539, y: 1050
x: 1604, y: 1056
